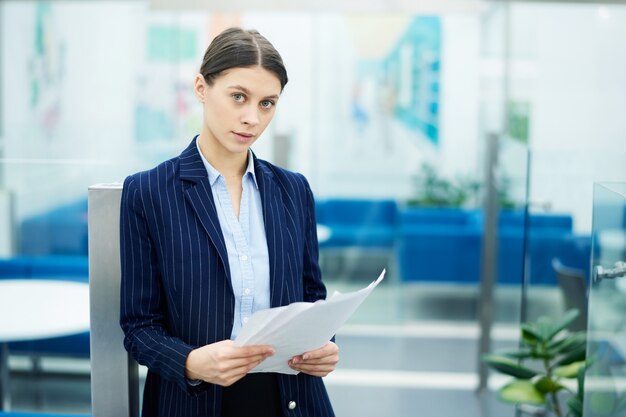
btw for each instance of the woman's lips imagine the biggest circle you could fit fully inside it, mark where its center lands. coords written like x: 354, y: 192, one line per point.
x: 243, y: 137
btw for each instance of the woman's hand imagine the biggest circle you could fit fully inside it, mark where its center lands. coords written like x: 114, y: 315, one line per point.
x: 223, y: 363
x: 319, y: 362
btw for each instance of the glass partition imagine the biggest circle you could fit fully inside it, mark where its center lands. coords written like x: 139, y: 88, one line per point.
x: 565, y: 102
x: 605, y: 379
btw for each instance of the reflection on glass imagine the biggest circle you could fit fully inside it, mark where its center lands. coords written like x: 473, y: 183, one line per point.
x: 605, y: 381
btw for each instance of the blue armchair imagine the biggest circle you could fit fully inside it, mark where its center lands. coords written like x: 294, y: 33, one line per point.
x: 439, y: 244
x: 357, y: 223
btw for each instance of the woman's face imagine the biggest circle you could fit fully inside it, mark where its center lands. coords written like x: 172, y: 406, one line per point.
x: 237, y: 107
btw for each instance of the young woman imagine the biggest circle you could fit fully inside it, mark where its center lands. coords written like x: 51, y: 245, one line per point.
x: 210, y: 237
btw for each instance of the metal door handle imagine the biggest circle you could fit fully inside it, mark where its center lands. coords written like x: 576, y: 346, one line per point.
x: 618, y: 271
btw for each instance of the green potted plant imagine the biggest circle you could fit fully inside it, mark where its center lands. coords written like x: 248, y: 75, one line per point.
x: 553, y: 369
x: 433, y: 190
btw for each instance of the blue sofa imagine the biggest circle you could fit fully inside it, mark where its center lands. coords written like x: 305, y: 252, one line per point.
x: 444, y: 245
x: 358, y: 222
x: 439, y: 244
x: 61, y: 231
x: 71, y: 268
x: 549, y: 236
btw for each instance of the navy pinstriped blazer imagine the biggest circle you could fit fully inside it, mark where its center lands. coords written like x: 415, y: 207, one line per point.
x: 176, y: 292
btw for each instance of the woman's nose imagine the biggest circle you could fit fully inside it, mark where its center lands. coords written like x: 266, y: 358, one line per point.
x: 250, y: 116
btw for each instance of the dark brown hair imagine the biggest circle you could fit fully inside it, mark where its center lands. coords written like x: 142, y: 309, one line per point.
x: 236, y: 47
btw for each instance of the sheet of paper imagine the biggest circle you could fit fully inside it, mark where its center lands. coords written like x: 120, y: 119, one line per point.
x: 299, y: 327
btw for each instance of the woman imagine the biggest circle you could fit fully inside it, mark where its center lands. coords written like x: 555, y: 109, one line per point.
x: 210, y: 237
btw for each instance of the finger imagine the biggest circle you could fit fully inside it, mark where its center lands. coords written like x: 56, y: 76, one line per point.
x: 330, y: 357
x: 329, y: 360
x: 316, y: 367
x: 326, y: 350
x: 237, y: 353
x: 252, y: 351
x: 239, y: 372
x: 316, y: 370
x: 296, y: 359
x: 241, y: 362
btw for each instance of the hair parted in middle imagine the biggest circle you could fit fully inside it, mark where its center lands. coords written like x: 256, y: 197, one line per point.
x: 236, y: 47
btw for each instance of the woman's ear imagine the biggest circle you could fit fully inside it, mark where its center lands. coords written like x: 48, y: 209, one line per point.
x: 199, y: 87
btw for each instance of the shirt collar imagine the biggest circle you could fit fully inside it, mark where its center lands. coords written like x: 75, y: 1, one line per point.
x: 250, y: 169
x: 214, y: 174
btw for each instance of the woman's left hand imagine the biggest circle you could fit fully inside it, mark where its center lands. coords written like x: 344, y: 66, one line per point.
x: 319, y: 362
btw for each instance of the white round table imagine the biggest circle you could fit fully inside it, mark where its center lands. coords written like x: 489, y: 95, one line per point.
x: 37, y: 309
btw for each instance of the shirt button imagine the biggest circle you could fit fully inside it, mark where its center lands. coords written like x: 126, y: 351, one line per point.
x: 243, y: 257
x: 245, y: 319
x: 246, y: 291
x: 291, y: 405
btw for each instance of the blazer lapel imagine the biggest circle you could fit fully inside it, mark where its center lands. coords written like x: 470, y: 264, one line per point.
x: 274, y: 220
x: 200, y: 197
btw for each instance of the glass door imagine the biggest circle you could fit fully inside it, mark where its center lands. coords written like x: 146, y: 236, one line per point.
x: 605, y: 380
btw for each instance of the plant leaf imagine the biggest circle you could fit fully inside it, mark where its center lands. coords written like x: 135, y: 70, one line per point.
x: 540, y: 353
x: 545, y: 328
x: 573, y: 356
x: 523, y: 353
x: 546, y: 385
x: 509, y: 366
x: 581, y: 382
x: 566, y: 320
x: 569, y: 371
x: 518, y: 391
x: 571, y: 342
x: 530, y: 335
x: 575, y: 406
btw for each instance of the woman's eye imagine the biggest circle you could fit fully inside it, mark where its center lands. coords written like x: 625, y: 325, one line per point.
x: 267, y: 104
x: 238, y: 97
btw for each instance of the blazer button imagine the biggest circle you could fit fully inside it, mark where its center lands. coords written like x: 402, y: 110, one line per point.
x: 291, y: 405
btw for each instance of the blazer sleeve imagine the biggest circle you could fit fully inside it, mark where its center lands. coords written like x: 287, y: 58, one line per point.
x: 143, y: 315
x: 314, y: 288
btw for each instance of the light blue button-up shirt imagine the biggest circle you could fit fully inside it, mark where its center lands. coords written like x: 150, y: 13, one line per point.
x: 246, y: 243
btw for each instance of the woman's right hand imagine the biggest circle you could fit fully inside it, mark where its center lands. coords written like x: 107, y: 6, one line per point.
x: 223, y: 363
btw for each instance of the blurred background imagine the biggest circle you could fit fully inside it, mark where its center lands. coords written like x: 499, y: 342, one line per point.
x: 454, y: 143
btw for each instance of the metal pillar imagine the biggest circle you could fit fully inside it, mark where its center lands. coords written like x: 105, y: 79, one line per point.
x: 5, y: 388
x: 489, y: 258
x: 114, y: 374
x: 7, y: 220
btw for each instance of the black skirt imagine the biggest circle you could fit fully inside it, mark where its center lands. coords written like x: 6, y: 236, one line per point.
x: 255, y: 395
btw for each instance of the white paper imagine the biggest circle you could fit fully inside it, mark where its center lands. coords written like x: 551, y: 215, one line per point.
x: 299, y: 327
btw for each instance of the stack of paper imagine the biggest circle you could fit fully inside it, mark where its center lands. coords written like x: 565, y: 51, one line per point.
x: 299, y: 327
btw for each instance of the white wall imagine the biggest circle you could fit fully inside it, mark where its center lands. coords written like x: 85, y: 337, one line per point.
x: 576, y: 85
x: 90, y: 70
x: 569, y: 63
x: 380, y: 159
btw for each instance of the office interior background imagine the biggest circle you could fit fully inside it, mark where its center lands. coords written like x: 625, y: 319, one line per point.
x: 401, y: 116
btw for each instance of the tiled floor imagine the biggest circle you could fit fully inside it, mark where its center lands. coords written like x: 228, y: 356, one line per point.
x: 410, y: 350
